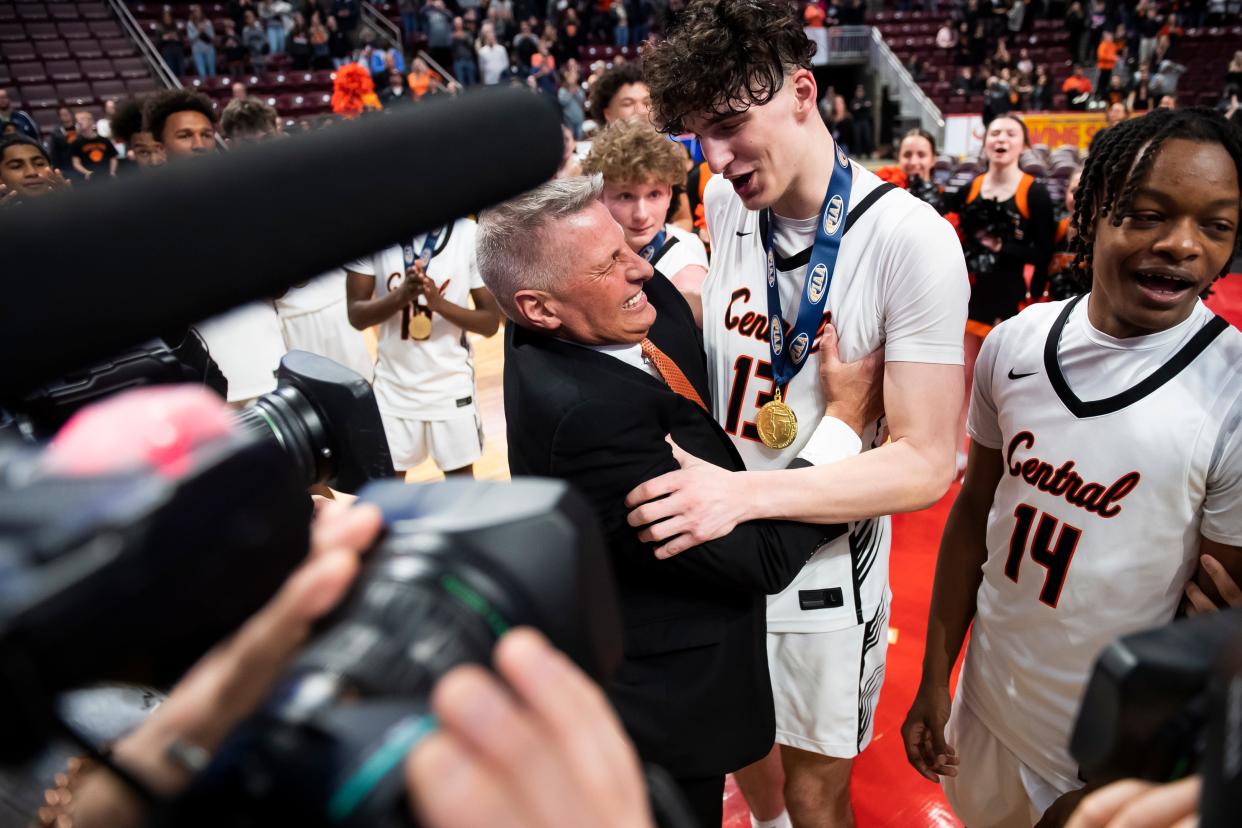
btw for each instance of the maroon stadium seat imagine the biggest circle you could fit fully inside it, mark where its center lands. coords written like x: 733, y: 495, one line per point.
x: 75, y: 94
x: 29, y: 72
x: 63, y: 11
x: 37, y: 97
x: 285, y: 104
x: 74, y: 30
x: 6, y: 76
x: 41, y: 31
x: 131, y: 67
x: 94, y: 11
x: 46, y: 119
x: 104, y: 28
x: 105, y: 89
x: 53, y: 50
x: 141, y: 86
x: 87, y: 50
x: 117, y: 47
x: 101, y: 69
x: 32, y: 11
x: 63, y: 70
x: 216, y: 84
x: 12, y: 31
x: 16, y: 51
x: 8, y: 14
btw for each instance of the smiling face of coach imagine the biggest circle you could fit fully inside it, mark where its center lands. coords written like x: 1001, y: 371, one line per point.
x: 558, y: 263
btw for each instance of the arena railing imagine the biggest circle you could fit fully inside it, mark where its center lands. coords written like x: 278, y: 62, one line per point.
x: 384, y: 29
x: 163, y: 74
x: 848, y: 44
x: 390, y: 34
x: 914, y: 102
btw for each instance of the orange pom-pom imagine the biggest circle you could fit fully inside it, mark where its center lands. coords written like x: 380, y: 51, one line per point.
x: 893, y: 175
x: 352, y: 91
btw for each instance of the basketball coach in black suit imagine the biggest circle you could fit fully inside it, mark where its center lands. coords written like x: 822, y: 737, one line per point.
x: 602, y: 362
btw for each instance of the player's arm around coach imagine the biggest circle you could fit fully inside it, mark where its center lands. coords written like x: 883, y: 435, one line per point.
x: 921, y: 403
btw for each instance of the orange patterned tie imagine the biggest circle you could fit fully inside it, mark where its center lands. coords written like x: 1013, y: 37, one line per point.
x: 673, y: 376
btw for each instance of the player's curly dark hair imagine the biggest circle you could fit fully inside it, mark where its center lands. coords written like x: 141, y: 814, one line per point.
x: 163, y: 105
x: 127, y: 120
x: 1121, y: 157
x: 607, y: 86
x: 724, y: 57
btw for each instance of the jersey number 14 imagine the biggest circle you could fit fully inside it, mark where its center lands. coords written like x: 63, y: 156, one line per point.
x: 1055, y: 558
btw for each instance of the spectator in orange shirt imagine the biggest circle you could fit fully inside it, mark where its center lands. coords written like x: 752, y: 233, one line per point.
x: 1105, y: 60
x: 1077, y: 88
x: 422, y: 80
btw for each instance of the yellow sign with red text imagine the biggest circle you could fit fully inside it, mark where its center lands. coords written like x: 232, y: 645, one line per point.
x: 1057, y: 129
x: 963, y: 134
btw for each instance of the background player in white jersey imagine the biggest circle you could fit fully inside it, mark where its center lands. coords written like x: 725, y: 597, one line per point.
x: 737, y: 73
x: 640, y: 168
x: 313, y: 318
x: 419, y: 294
x: 1106, y: 458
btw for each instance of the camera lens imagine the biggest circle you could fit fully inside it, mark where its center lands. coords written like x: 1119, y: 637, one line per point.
x: 287, y: 416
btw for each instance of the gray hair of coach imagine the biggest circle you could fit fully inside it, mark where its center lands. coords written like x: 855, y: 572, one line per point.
x: 513, y: 247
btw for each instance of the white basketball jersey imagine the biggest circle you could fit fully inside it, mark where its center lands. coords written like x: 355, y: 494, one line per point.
x: 1117, y: 453
x: 247, y: 343
x: 430, y: 379
x: 900, y: 282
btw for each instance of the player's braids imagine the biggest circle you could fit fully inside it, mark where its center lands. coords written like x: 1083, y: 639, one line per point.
x: 1115, y: 170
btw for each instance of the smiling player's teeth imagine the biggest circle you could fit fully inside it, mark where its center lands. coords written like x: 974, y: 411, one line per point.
x: 632, y: 301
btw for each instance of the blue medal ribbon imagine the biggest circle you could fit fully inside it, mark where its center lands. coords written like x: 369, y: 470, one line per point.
x: 655, y: 245
x: 789, y: 357
x: 428, y: 251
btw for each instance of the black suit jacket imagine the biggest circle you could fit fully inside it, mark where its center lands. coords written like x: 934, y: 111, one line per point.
x: 693, y: 689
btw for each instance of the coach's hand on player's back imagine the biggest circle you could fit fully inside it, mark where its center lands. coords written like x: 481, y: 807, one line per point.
x: 854, y: 391
x: 923, y: 734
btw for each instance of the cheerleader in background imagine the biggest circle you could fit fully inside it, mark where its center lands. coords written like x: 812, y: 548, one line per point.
x: 1006, y: 227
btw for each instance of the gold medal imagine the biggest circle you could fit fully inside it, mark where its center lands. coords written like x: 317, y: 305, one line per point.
x: 420, y: 325
x: 777, y: 423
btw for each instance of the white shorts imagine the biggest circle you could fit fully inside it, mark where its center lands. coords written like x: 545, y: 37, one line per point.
x: 826, y: 686
x: 993, y: 788
x: 452, y: 444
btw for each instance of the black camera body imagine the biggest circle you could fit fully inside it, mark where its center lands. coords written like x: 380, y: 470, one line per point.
x: 1157, y: 698
x: 460, y: 563
x: 132, y: 576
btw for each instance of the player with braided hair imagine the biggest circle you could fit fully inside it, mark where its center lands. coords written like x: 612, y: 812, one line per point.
x: 1105, y: 467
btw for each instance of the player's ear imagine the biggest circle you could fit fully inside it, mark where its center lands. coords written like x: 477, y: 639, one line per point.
x: 806, y: 93
x: 536, y: 309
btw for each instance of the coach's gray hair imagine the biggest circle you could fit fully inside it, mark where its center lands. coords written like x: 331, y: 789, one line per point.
x: 513, y: 249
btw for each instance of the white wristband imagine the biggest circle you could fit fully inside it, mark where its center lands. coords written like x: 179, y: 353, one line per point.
x: 832, y: 440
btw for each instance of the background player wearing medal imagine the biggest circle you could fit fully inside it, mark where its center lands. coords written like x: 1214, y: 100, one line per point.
x: 1092, y: 489
x: 737, y: 73
x: 640, y: 168
x: 424, y: 373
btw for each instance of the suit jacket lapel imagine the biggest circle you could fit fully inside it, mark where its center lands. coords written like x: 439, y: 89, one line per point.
x: 669, y: 336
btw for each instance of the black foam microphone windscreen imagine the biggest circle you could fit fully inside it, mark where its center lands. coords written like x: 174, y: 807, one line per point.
x: 92, y: 272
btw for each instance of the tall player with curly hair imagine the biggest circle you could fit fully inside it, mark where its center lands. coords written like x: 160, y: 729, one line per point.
x: 802, y: 237
x: 1105, y: 471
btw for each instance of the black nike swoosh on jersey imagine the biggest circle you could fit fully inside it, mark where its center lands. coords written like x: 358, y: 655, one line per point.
x: 740, y: 233
x: 1014, y: 376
